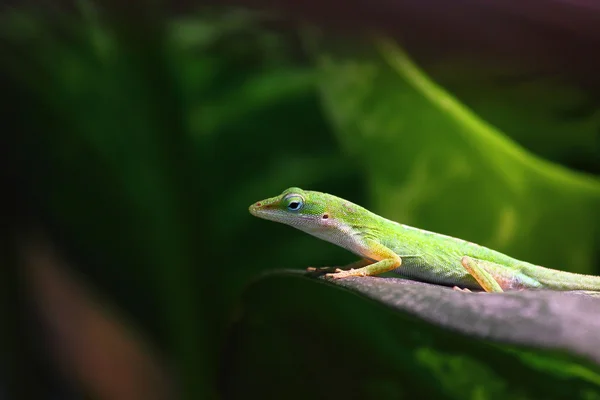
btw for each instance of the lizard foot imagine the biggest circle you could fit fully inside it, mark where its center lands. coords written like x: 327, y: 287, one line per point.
x: 345, y: 274
x: 315, y: 272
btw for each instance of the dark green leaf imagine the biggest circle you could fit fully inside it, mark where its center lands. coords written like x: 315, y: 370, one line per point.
x: 428, y: 341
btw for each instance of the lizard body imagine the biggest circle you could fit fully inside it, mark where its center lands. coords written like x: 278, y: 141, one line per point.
x: 386, y: 245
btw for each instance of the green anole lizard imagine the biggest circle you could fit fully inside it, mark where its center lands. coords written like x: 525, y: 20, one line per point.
x: 385, y: 245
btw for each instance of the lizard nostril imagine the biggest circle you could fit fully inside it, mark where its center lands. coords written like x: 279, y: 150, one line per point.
x: 258, y: 204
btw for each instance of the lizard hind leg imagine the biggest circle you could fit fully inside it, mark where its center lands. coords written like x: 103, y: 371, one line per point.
x: 477, y: 270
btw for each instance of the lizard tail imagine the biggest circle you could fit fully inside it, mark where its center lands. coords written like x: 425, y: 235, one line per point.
x: 562, y: 280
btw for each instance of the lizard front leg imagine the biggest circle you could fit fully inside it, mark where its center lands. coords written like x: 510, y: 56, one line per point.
x: 354, y: 265
x: 384, y: 260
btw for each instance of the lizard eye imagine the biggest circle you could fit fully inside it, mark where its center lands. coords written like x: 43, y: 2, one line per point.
x: 295, y: 203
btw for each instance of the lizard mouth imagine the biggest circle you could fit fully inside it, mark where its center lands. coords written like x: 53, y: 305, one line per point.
x: 253, y: 209
x: 268, y: 214
x: 263, y: 210
x: 273, y: 213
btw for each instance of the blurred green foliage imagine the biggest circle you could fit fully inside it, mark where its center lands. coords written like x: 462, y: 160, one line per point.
x: 140, y: 146
x: 458, y: 175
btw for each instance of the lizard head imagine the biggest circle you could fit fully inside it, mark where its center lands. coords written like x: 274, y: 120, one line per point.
x: 313, y: 212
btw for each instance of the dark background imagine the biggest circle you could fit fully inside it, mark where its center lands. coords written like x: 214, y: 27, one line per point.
x: 136, y: 136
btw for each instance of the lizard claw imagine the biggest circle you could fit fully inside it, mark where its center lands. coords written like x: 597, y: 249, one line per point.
x: 461, y: 290
x: 322, y: 269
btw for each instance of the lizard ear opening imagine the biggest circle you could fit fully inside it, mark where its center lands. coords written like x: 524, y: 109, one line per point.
x: 325, y: 216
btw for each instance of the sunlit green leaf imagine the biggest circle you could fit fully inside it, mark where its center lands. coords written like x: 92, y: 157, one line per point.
x: 432, y: 163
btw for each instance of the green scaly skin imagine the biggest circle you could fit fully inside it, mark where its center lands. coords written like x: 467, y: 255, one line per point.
x: 385, y: 245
